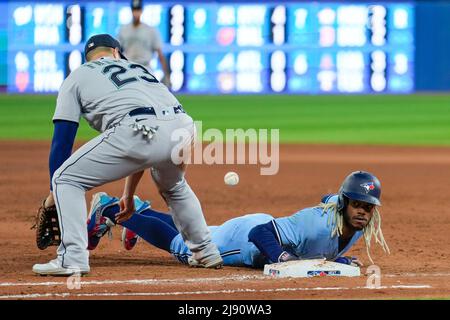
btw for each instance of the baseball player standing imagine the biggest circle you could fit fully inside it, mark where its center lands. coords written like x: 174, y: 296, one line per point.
x: 136, y: 116
x: 140, y: 41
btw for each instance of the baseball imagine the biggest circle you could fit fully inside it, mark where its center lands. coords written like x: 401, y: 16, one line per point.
x: 231, y: 179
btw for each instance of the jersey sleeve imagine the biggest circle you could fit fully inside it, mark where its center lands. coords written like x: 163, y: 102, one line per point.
x: 294, y: 231
x: 288, y: 230
x: 68, y: 104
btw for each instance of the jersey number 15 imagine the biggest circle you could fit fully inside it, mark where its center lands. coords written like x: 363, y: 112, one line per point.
x: 119, y: 70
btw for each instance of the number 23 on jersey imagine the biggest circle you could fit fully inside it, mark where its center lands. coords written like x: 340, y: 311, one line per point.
x: 117, y: 74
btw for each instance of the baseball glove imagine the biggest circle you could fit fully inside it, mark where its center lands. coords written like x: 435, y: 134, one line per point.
x: 47, y: 227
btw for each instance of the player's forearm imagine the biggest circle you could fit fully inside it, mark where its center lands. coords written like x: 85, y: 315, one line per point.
x: 164, y: 64
x: 264, y: 238
x: 131, y: 184
x: 62, y: 144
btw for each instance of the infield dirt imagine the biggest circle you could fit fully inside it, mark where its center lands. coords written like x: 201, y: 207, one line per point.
x: 415, y: 220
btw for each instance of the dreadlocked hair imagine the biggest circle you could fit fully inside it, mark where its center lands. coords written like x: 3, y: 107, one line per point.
x: 372, y: 230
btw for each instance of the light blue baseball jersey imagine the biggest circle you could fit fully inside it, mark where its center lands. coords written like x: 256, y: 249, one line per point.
x: 307, y: 234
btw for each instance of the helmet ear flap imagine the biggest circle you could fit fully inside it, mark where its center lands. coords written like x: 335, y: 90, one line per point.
x: 342, y: 201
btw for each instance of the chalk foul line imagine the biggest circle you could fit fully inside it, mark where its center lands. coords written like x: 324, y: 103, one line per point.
x: 205, y: 292
x: 184, y: 280
x: 137, y: 281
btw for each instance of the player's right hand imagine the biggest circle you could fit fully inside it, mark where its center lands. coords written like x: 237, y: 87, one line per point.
x: 127, y: 209
x: 286, y: 256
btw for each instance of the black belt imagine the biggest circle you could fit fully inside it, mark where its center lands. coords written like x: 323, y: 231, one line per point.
x: 151, y: 111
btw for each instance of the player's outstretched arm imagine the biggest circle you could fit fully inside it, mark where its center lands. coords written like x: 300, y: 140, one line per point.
x: 265, y: 238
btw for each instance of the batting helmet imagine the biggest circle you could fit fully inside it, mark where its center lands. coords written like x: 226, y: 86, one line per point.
x: 362, y: 186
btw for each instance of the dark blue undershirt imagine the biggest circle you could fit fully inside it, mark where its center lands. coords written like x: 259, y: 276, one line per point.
x: 62, y: 143
x: 266, y: 240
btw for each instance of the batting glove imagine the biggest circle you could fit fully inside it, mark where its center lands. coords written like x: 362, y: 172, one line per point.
x: 286, y: 256
x: 349, y: 260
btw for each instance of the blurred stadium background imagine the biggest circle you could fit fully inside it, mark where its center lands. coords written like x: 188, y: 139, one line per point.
x: 329, y: 72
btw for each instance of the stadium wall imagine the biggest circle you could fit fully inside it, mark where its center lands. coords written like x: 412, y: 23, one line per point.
x: 432, y: 45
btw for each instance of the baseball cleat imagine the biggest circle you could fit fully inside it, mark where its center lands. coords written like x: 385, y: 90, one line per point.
x: 98, y: 225
x: 54, y: 268
x: 140, y: 205
x: 212, y: 262
x: 130, y: 238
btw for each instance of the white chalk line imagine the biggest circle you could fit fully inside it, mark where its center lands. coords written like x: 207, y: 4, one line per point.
x: 184, y: 281
x: 139, y: 281
x: 416, y: 275
x: 206, y: 292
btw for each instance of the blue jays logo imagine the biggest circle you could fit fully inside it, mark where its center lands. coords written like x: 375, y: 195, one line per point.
x: 368, y: 186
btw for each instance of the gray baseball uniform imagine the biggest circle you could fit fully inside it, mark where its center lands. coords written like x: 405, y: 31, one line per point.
x: 104, y: 92
x: 139, y: 43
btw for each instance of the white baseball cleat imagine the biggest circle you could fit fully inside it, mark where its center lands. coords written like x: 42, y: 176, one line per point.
x: 54, y: 268
x: 214, y: 261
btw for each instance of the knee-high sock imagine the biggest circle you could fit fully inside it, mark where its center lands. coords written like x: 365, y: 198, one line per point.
x: 157, y: 228
x: 153, y: 230
x: 167, y: 218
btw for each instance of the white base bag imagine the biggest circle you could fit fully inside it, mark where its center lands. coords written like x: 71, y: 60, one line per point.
x: 310, y: 268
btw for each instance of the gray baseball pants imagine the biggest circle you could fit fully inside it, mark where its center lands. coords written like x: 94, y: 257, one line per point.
x: 115, y: 154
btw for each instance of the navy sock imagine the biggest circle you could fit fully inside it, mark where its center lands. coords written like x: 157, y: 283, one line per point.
x: 111, y: 212
x: 155, y: 227
x: 167, y: 218
x: 153, y: 230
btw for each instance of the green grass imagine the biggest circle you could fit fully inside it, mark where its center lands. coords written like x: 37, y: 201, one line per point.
x: 374, y: 119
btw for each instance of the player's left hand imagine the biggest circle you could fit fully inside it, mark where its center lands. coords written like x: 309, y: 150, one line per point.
x: 286, y: 256
x: 127, y: 209
x: 353, y: 261
x: 47, y: 225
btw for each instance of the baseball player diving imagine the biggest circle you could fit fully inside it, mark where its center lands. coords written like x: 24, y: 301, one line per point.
x: 328, y: 230
x: 136, y: 116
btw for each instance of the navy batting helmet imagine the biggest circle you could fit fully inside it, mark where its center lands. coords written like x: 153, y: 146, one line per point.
x: 362, y: 186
